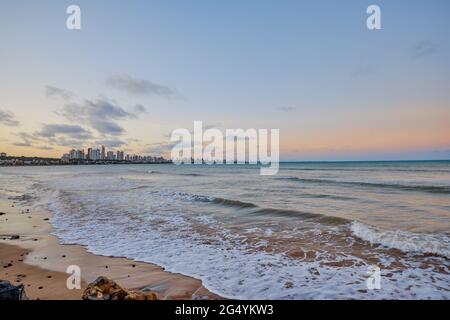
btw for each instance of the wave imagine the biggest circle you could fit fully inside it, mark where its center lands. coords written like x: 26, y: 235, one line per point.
x: 213, y: 200
x: 437, y: 244
x: 300, y: 214
x: 404, y: 187
x: 176, y: 174
x: 254, y: 209
x: 191, y: 174
x: 233, y: 203
x: 327, y: 196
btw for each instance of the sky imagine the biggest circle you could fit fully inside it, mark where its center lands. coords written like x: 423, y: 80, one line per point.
x: 137, y: 70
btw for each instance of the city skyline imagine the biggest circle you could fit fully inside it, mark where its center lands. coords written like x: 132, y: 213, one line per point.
x: 336, y: 90
x: 94, y: 154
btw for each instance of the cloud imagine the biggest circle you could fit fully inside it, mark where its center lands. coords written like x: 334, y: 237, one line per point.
x: 43, y: 147
x: 30, y: 145
x: 160, y: 147
x: 54, y: 134
x: 100, y: 115
x: 8, y: 119
x: 139, y: 108
x: 111, y: 143
x: 108, y: 127
x: 286, y: 109
x: 22, y: 144
x: 362, y: 71
x: 54, y: 92
x: 137, y: 86
x: 424, y: 49
x: 72, y: 131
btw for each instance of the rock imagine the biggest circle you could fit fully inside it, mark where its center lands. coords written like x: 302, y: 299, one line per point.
x: 10, y: 237
x: 314, y: 271
x: 141, y: 296
x: 11, y: 292
x: 104, y: 289
x: 297, y: 254
x: 2, y: 213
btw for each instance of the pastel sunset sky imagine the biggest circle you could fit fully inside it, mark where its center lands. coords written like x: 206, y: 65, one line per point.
x: 137, y: 70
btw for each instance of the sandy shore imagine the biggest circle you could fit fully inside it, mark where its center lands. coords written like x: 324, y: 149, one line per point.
x: 37, y: 260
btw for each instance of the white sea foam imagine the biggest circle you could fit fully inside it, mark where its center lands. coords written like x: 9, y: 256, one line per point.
x: 405, y: 241
x: 228, y: 267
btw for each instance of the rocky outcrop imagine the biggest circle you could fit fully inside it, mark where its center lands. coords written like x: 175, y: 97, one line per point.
x: 11, y: 292
x: 106, y: 289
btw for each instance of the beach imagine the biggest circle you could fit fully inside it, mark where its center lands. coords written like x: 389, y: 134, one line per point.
x: 313, y: 231
x: 39, y: 262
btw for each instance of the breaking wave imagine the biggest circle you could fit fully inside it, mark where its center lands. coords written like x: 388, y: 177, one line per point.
x: 438, y: 244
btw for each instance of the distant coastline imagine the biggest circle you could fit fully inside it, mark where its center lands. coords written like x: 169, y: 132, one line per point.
x: 14, y: 161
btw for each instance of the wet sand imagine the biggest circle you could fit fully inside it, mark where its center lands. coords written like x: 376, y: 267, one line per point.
x: 37, y: 260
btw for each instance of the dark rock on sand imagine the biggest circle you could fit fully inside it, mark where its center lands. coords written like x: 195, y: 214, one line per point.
x: 11, y: 292
x: 141, y: 296
x: 106, y: 289
x: 10, y: 237
x: 2, y: 213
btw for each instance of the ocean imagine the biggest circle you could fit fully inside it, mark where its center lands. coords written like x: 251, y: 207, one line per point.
x: 313, y: 231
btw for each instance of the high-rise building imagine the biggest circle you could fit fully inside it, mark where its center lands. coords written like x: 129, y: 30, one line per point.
x: 94, y: 154
x: 88, y: 154
x: 120, y: 155
x: 110, y: 155
x: 76, y: 154
x: 103, y: 156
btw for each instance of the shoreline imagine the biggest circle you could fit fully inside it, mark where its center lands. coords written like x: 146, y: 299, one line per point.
x: 37, y: 259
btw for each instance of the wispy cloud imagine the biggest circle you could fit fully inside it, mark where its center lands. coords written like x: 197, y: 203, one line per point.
x: 30, y: 145
x: 160, y: 147
x: 111, y: 143
x: 100, y: 115
x: 8, y: 119
x: 138, y: 86
x: 139, y: 108
x: 22, y: 144
x: 54, y: 135
x: 286, y: 109
x: 362, y: 71
x: 73, y: 131
x: 54, y: 92
x: 424, y: 49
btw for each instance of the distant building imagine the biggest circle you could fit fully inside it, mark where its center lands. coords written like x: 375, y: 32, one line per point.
x: 65, y: 157
x: 110, y: 156
x: 88, y: 154
x: 3, y: 155
x: 76, y: 154
x: 94, y: 154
